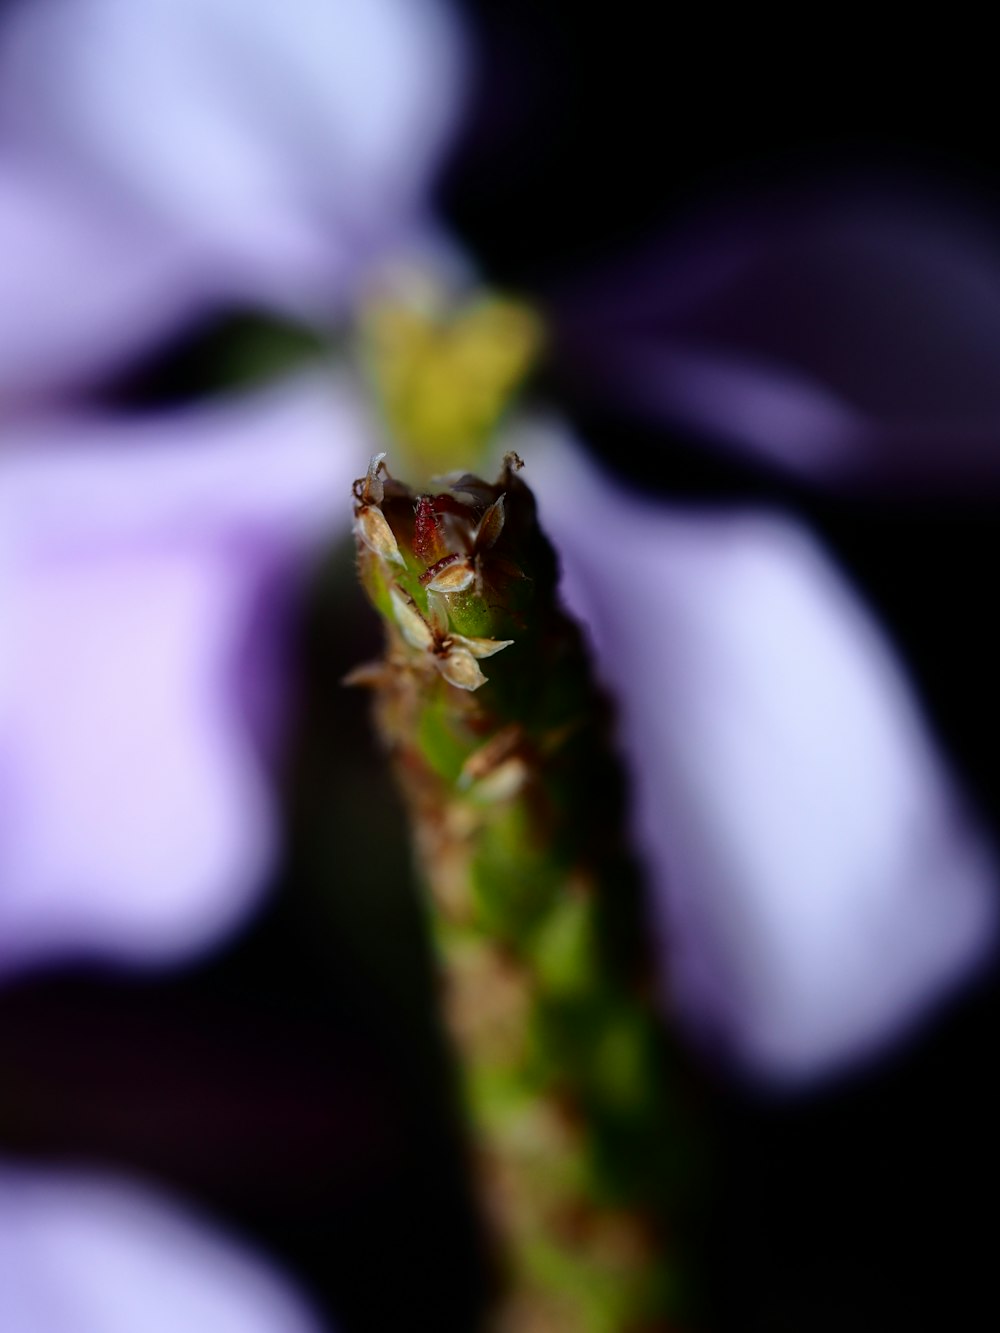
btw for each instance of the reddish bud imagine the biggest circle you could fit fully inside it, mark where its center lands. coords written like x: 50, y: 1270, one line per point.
x: 429, y: 543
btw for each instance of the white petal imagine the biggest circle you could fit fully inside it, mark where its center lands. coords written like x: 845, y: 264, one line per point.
x: 820, y: 879
x: 437, y: 613
x: 81, y: 1251
x: 371, y: 486
x: 455, y: 577
x: 481, y: 647
x: 371, y: 526
x: 292, y: 140
x: 412, y: 625
x: 460, y: 669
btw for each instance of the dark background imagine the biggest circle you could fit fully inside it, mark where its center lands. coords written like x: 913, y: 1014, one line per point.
x: 294, y: 1085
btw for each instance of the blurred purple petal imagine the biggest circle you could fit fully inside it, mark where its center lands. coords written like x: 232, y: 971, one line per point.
x: 847, y: 334
x: 89, y: 1254
x: 136, y: 558
x: 819, y: 878
x: 81, y: 283
x: 287, y: 145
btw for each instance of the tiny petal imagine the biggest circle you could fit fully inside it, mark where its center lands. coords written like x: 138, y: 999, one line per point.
x: 454, y: 574
x: 412, y: 625
x: 481, y: 647
x: 491, y: 526
x: 460, y: 668
x: 374, y: 491
x: 437, y: 614
x: 371, y: 526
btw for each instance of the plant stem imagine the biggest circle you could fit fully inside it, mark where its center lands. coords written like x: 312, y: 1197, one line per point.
x: 517, y: 805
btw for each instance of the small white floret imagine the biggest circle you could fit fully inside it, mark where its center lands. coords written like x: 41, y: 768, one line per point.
x: 480, y: 647
x: 460, y: 669
x: 455, y: 577
x: 412, y: 625
x: 371, y: 526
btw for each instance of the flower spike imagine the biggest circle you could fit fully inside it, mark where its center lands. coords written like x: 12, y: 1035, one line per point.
x: 515, y: 796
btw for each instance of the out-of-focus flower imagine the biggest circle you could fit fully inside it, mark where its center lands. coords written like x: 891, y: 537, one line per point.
x: 156, y: 161
x: 816, y: 880
x: 167, y: 157
x: 88, y: 1252
x: 82, y: 286
x: 151, y: 563
x: 147, y: 570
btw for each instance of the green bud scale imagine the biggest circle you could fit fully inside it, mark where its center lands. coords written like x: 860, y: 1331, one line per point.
x: 502, y: 745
